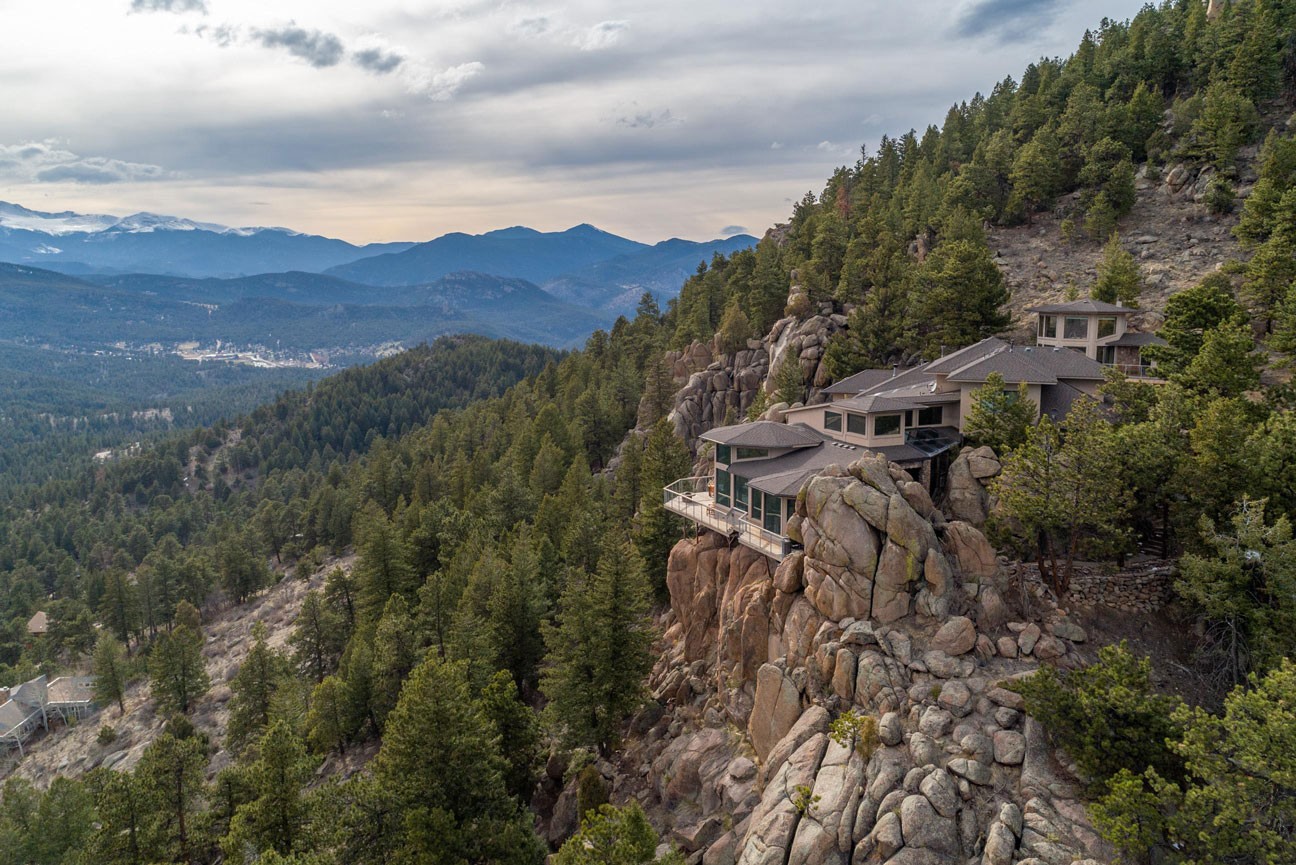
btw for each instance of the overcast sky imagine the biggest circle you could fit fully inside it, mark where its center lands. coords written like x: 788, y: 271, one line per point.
x: 405, y: 119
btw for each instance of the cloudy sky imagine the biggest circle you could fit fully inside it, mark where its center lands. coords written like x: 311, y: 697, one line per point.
x: 405, y: 119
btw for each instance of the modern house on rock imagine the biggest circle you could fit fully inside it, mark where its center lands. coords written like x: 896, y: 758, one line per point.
x: 914, y: 417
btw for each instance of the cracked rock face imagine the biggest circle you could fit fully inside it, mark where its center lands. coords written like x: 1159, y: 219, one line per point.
x: 763, y: 656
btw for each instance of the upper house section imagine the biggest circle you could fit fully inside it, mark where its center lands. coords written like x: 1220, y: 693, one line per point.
x: 1085, y: 325
x: 1100, y: 330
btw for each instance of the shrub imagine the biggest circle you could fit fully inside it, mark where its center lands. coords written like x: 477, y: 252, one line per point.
x: 107, y: 735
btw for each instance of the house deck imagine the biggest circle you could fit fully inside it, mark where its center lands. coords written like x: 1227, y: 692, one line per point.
x: 690, y: 499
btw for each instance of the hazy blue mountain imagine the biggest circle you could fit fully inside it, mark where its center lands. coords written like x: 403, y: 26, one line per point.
x: 518, y: 252
x: 150, y: 243
x: 615, y: 285
x: 299, y: 312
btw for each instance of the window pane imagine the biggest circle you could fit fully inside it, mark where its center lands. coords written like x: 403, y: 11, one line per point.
x: 855, y: 423
x: 1050, y: 326
x: 752, y: 453
x: 1106, y: 327
x: 791, y: 508
x: 772, y: 521
x: 931, y: 416
x: 757, y: 499
x: 832, y: 421
x: 1076, y: 328
x: 722, y: 454
x: 740, y: 493
x: 722, y: 488
x: 886, y: 425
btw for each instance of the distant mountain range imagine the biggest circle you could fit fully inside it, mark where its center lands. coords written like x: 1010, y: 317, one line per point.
x: 152, y: 278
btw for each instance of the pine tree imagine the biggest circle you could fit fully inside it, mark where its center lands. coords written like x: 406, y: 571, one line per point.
x: 394, y: 656
x: 110, y: 672
x: 171, y: 771
x: 273, y: 821
x: 1271, y: 272
x: 999, y: 418
x: 328, y: 722
x: 515, y: 610
x: 1119, y: 278
x: 1189, y: 315
x: 1226, y: 366
x: 615, y: 836
x: 666, y: 460
x: 599, y: 650
x: 178, y: 673
x: 960, y: 297
x: 317, y: 638
x: 735, y: 329
x: 253, y: 690
x: 383, y: 567
x: 1227, y: 122
x: 519, y: 734
x: 440, y: 768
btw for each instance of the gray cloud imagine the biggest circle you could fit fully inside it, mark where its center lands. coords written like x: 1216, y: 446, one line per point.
x: 605, y: 34
x: 731, y: 230
x: 377, y: 60
x: 317, y: 48
x: 1006, y: 19
x: 169, y: 6
x: 649, y: 119
x: 46, y: 162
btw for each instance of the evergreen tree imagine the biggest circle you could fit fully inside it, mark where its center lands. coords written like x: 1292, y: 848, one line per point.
x: 735, y: 329
x: 1119, y: 279
x: 111, y: 672
x: 394, y: 656
x: 440, y: 768
x: 179, y: 675
x: 318, y: 638
x: 960, y: 297
x: 666, y: 460
x: 599, y: 650
x: 273, y: 821
x: 999, y: 417
x: 614, y: 836
x: 515, y: 610
x: 122, y: 806
x: 1227, y: 123
x: 1189, y: 315
x: 1271, y: 272
x: 1246, y: 589
x: 328, y: 721
x: 383, y: 567
x: 519, y: 735
x: 171, y: 771
x: 253, y: 690
x: 1226, y: 366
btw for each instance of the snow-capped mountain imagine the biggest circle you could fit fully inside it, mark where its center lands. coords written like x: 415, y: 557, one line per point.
x: 155, y: 243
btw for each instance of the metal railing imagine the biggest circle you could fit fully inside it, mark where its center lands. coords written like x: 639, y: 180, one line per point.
x: 692, y: 499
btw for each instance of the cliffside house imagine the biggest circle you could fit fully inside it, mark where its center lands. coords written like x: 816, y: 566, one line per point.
x: 29, y: 706
x: 1100, y: 330
x: 914, y: 417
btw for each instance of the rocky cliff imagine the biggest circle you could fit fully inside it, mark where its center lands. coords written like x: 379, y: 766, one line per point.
x: 892, y: 611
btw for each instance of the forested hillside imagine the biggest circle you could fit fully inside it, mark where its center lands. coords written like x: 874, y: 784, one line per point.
x: 504, y: 505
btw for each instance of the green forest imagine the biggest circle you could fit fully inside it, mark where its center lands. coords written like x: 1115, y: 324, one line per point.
x: 503, y: 503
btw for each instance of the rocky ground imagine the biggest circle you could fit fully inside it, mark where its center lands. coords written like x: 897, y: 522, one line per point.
x: 1175, y: 239
x: 74, y: 750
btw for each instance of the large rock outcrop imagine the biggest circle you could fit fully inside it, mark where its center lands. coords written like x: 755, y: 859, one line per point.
x: 889, y: 611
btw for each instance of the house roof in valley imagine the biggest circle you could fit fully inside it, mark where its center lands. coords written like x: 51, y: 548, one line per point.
x: 1014, y: 366
x: 1134, y: 338
x: 1057, y: 401
x: 765, y: 434
x: 1064, y: 363
x: 1088, y: 306
x: 876, y: 403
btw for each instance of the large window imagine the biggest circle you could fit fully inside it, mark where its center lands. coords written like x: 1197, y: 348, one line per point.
x: 886, y: 425
x: 1076, y: 328
x: 1106, y: 326
x: 832, y: 421
x: 857, y: 424
x: 722, y: 454
x: 752, y: 453
x: 740, y: 493
x: 722, y: 488
x: 1106, y: 354
x: 1048, y: 326
x: 773, y: 507
x: 931, y: 416
x: 757, y: 500
x: 791, y: 508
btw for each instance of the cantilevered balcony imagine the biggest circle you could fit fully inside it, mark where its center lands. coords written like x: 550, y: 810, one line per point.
x: 692, y: 499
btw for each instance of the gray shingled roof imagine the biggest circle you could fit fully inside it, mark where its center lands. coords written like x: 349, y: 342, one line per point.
x: 765, y: 434
x: 1056, y: 401
x: 1064, y: 363
x: 1088, y: 306
x: 861, y: 381
x: 876, y: 402
x: 1014, y: 366
x: 957, y: 359
x: 775, y: 474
